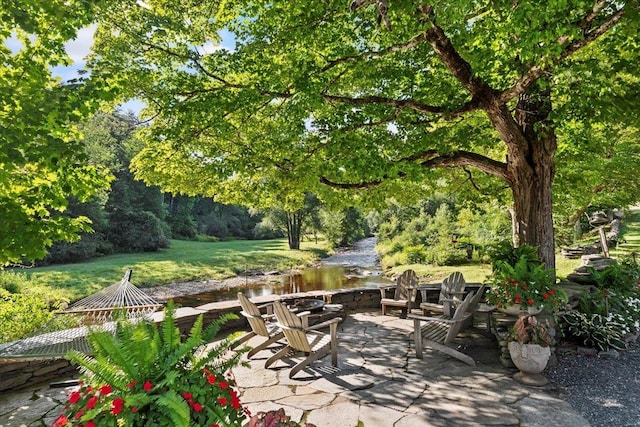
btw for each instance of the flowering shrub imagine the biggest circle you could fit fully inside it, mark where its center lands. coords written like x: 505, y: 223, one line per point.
x: 524, y: 284
x: 146, y: 376
x: 529, y: 330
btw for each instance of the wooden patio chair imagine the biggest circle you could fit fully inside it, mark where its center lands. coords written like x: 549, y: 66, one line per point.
x: 312, y: 343
x: 438, y: 332
x: 451, y: 292
x: 261, y: 324
x: 405, y: 289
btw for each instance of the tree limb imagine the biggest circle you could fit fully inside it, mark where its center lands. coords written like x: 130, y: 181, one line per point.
x: 537, y: 71
x: 432, y: 159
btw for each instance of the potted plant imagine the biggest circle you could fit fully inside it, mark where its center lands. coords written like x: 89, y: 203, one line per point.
x: 529, y: 348
x: 525, y: 286
x: 147, y: 375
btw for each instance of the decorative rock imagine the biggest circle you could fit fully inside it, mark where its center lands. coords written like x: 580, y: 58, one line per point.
x: 610, y: 354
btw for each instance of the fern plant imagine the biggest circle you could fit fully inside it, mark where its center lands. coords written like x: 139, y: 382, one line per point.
x: 145, y: 375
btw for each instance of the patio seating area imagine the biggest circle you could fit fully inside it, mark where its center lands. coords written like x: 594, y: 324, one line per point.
x: 379, y: 381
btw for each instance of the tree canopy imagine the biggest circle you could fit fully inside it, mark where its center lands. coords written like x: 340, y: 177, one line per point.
x: 42, y: 161
x: 392, y: 97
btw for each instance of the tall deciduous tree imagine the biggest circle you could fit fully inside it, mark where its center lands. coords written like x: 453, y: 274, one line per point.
x: 371, y: 95
x: 41, y: 158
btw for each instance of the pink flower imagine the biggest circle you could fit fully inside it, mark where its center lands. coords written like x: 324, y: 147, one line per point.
x: 147, y: 386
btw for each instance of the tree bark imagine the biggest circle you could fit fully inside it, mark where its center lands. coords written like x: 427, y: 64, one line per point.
x: 531, y: 147
x: 294, y: 229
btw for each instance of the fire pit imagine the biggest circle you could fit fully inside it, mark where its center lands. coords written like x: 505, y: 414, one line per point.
x: 308, y: 304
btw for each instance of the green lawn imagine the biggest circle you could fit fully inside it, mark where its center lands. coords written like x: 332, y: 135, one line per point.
x: 183, y: 261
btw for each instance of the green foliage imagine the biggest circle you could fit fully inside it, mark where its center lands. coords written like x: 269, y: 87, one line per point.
x: 594, y: 330
x: 148, y: 375
x: 23, y: 310
x: 42, y: 158
x: 139, y: 231
x: 526, y: 283
x: 434, y: 231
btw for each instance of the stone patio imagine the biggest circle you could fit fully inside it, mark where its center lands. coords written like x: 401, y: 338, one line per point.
x: 378, y: 382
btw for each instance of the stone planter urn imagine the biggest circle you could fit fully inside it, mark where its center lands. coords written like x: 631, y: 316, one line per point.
x: 515, y: 310
x: 531, y: 360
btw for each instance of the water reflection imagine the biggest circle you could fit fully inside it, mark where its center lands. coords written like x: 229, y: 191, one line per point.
x: 354, y: 268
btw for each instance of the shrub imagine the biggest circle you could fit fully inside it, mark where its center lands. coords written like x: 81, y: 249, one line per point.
x: 594, y: 330
x: 140, y: 231
x: 146, y: 375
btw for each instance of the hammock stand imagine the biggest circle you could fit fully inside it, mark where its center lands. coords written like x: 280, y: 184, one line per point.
x: 100, y: 310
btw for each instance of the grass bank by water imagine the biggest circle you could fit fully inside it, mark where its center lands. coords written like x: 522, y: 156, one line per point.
x: 183, y: 262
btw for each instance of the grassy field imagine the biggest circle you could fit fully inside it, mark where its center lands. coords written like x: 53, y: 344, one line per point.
x: 188, y: 261
x: 182, y: 262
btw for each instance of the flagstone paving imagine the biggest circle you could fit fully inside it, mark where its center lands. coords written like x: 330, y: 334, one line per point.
x: 378, y: 383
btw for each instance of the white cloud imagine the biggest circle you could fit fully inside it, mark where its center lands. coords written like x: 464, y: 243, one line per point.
x: 79, y: 48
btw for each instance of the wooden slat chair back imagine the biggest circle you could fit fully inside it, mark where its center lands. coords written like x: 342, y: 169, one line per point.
x: 261, y: 325
x: 405, y: 289
x: 451, y: 291
x: 438, y: 332
x: 309, y: 340
x: 473, y: 306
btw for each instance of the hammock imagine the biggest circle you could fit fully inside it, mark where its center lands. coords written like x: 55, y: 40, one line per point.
x: 69, y: 328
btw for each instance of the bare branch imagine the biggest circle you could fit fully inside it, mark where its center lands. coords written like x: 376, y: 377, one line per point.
x: 433, y: 159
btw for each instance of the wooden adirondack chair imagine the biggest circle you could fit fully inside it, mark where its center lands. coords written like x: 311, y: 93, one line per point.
x: 438, y: 332
x: 312, y: 343
x: 405, y: 289
x: 261, y: 324
x: 451, y: 292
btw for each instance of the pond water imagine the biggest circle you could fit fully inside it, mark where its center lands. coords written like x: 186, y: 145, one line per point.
x: 355, y: 267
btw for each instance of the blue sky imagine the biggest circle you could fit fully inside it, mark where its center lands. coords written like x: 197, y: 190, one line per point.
x: 80, y: 47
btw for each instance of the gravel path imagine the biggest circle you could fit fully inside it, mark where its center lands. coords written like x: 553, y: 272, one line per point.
x: 605, y: 390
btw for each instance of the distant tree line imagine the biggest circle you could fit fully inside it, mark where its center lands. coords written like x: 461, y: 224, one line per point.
x: 134, y: 217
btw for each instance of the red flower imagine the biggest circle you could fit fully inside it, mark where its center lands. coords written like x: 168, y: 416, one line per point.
x: 116, y: 405
x: 147, y: 386
x: 222, y: 401
x: 187, y: 396
x: 105, y: 390
x: 211, y: 379
x: 530, y: 301
x: 517, y: 299
x: 91, y: 403
x: 235, y: 401
x: 132, y: 384
x: 134, y: 409
x: 75, y: 396
x: 197, y: 407
x: 545, y: 295
x: 551, y: 292
x: 223, y: 384
x: 215, y: 425
x: 60, y: 421
x: 78, y: 414
x: 90, y: 423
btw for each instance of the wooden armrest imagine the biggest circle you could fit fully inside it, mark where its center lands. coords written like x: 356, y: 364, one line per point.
x: 268, y: 306
x: 323, y: 324
x: 431, y: 319
x: 303, y: 313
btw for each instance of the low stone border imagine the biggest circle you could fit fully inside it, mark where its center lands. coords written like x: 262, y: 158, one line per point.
x: 16, y: 374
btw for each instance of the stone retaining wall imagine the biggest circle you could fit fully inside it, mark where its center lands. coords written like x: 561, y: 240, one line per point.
x: 17, y: 373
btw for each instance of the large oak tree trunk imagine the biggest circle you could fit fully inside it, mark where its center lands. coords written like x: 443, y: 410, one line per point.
x: 531, y: 147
